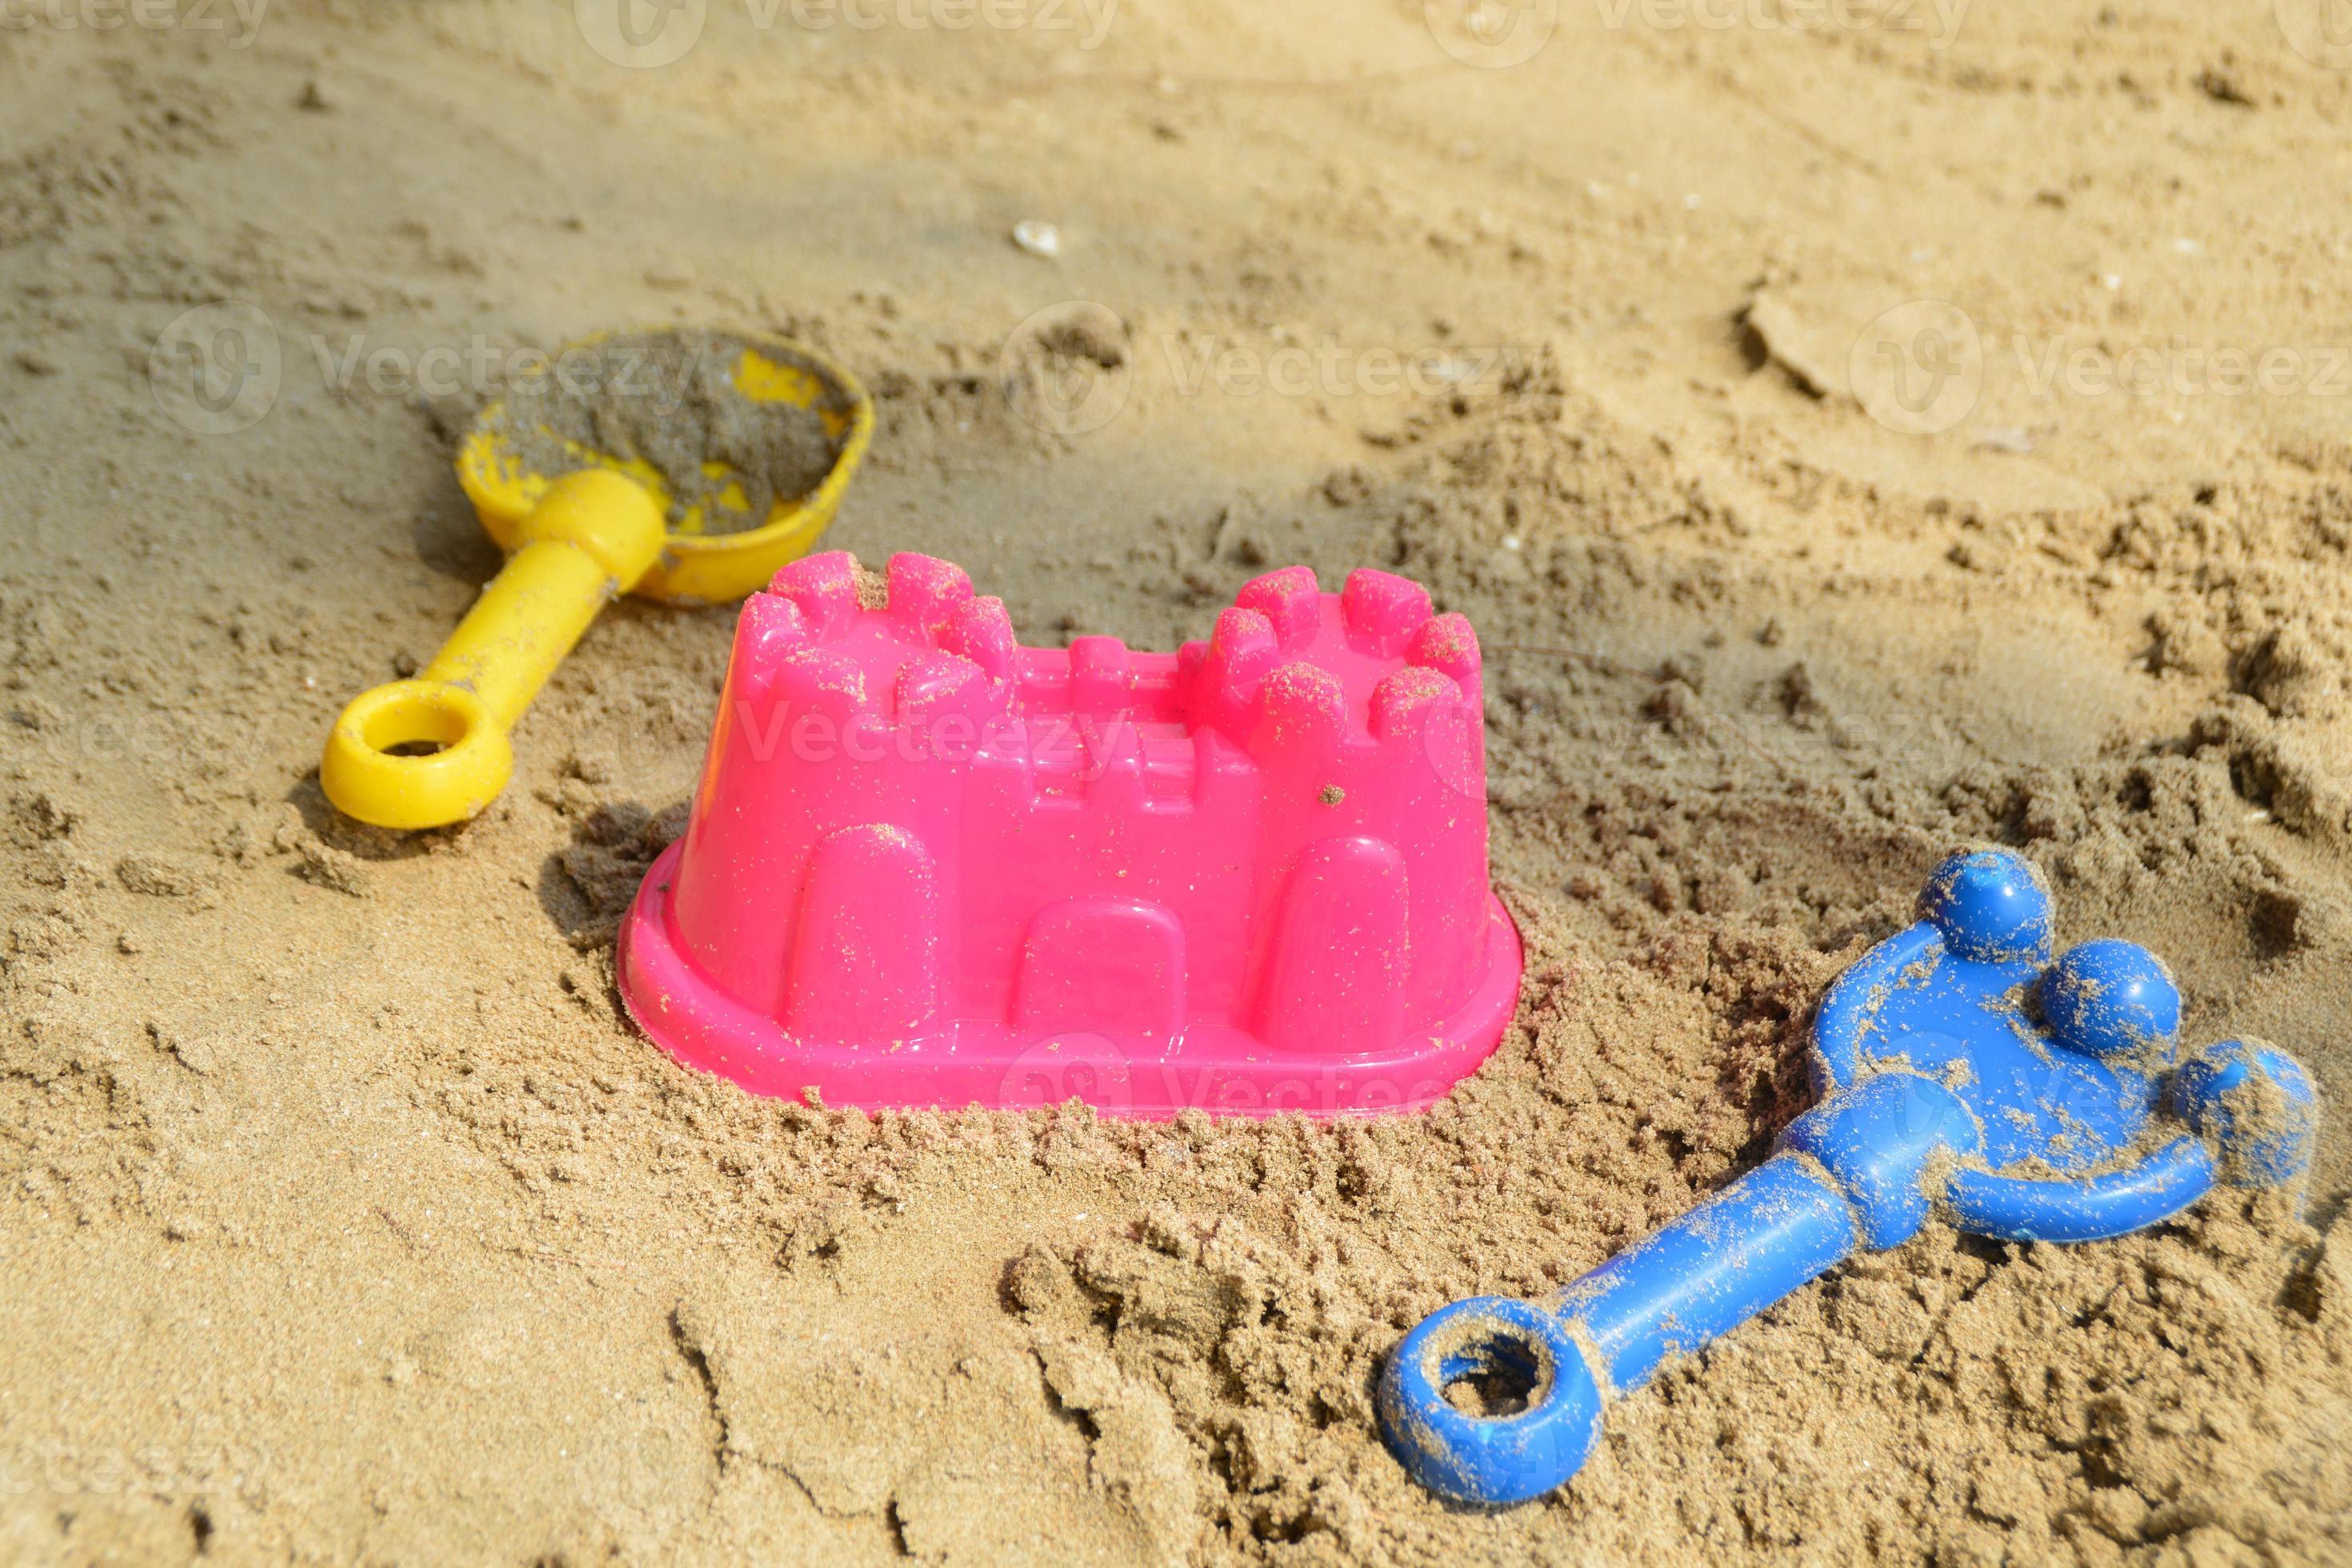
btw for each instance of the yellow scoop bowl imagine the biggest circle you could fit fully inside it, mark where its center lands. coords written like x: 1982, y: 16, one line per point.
x: 430, y: 751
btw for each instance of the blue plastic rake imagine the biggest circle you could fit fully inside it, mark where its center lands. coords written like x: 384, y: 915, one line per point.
x: 1960, y: 1074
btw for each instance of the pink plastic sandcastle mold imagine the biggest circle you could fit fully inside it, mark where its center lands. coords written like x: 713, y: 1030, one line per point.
x: 929, y: 867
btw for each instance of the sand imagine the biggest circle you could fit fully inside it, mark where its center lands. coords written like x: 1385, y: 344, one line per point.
x: 344, y: 1218
x: 669, y: 401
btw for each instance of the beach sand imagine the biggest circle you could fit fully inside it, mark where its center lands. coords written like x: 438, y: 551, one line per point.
x: 1851, y: 443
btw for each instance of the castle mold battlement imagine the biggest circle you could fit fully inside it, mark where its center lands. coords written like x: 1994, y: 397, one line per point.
x: 927, y: 866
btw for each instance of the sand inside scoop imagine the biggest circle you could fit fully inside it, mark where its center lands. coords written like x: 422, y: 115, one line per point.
x: 671, y: 400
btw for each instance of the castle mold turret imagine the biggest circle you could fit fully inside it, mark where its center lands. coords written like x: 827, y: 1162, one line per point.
x: 927, y: 866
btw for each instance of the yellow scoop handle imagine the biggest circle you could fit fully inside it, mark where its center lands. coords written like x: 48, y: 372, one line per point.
x: 433, y: 751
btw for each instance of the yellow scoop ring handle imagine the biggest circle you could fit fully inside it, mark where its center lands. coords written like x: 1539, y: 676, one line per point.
x: 433, y: 750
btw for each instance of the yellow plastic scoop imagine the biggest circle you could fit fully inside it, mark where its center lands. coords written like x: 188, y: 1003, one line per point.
x: 582, y: 524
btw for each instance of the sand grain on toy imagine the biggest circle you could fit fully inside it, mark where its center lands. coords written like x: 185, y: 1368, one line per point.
x: 345, y: 1218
